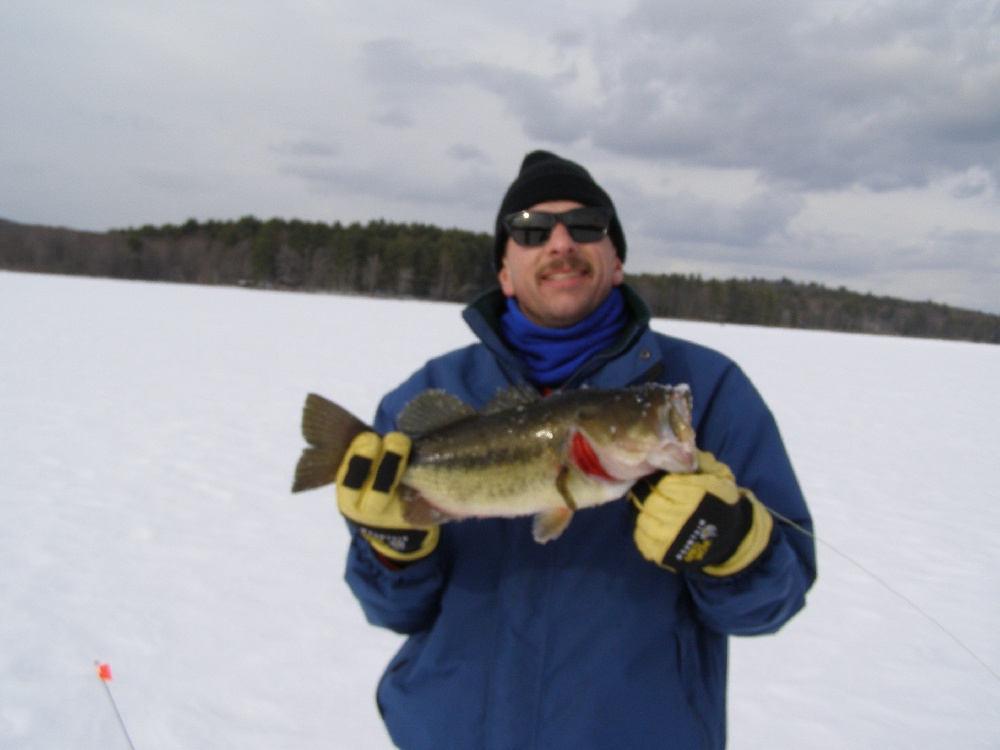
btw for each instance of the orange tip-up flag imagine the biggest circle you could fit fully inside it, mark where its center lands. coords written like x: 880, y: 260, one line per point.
x: 104, y: 672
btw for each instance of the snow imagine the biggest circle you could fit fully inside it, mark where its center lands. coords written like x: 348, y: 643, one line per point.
x: 148, y: 434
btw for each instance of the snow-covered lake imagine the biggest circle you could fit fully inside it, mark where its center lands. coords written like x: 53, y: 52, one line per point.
x: 148, y: 435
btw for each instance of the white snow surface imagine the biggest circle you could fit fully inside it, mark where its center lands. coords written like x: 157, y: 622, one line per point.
x: 148, y: 435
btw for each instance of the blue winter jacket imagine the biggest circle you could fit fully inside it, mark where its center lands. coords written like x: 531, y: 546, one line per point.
x: 581, y: 643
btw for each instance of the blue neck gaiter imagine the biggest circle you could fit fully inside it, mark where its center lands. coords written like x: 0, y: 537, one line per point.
x: 553, y: 354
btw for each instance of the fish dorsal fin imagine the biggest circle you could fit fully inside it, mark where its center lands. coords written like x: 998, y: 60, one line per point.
x: 511, y: 398
x: 432, y: 410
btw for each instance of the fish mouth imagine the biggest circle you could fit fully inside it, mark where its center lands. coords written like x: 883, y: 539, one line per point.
x: 677, y: 458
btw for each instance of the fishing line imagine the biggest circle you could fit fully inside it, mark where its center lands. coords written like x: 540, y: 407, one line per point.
x: 882, y: 582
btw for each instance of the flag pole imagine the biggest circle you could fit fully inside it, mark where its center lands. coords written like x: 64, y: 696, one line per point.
x: 104, y: 673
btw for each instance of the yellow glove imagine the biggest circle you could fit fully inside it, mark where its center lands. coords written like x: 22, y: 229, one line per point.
x: 699, y: 521
x: 367, y: 495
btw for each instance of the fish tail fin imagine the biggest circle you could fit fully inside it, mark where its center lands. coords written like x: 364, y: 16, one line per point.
x: 329, y: 430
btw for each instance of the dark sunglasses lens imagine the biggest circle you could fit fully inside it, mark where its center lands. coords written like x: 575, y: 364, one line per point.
x: 531, y: 237
x: 530, y: 228
x: 587, y: 224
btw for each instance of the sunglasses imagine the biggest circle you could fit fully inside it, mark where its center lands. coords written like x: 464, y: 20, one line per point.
x: 533, y: 228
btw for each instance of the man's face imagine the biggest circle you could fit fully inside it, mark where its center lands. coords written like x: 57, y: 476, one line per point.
x: 561, y: 282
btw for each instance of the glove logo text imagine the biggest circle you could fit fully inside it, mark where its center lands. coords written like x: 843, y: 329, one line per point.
x: 698, y: 543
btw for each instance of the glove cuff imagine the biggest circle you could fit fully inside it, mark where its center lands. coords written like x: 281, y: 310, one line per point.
x: 401, y: 545
x: 754, y: 542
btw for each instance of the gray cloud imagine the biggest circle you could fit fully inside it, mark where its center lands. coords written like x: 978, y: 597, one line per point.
x: 882, y: 96
x: 307, y: 147
x: 810, y: 95
x: 405, y: 73
x: 395, y: 117
x: 687, y: 218
x: 973, y: 184
x: 471, y: 187
x: 402, y: 71
x: 465, y: 152
x: 971, y: 249
x: 545, y: 113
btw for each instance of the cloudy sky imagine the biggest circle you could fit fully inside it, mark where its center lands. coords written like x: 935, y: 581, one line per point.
x: 852, y: 143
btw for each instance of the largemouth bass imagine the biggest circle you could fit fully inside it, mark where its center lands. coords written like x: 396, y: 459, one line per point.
x: 521, y: 455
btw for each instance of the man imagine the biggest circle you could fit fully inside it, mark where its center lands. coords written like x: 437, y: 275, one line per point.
x: 613, y: 635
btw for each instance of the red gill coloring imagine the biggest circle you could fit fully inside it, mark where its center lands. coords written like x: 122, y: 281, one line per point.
x: 583, y: 456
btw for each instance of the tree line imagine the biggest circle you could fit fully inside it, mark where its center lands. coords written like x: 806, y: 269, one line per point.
x: 427, y: 262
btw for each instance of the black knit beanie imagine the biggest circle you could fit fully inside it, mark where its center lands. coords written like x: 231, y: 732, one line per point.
x: 547, y: 177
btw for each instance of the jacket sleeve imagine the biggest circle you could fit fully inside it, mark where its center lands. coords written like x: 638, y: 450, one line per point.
x: 740, y: 430
x: 406, y: 599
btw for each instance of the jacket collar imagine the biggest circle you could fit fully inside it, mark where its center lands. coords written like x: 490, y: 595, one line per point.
x: 633, y: 359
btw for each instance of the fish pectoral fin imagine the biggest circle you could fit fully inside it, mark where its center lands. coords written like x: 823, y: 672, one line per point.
x: 418, y: 511
x: 561, y: 479
x: 550, y: 524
